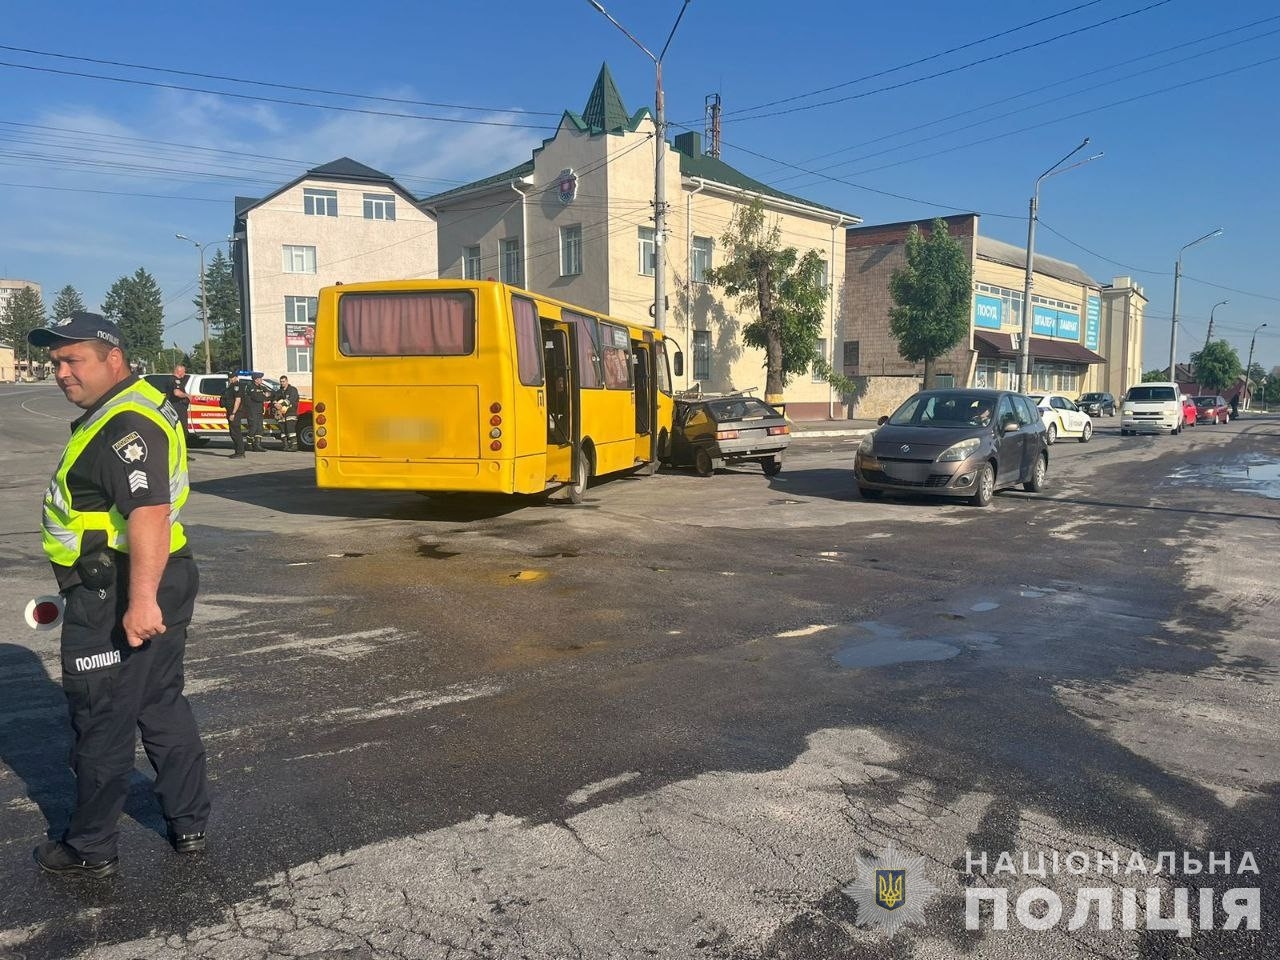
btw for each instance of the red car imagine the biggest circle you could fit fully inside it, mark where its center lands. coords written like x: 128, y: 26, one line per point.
x: 1212, y: 409
x: 1189, y: 413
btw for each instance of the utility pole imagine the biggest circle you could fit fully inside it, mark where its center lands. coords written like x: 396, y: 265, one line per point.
x: 1177, y: 290
x: 1249, y: 367
x: 659, y: 166
x: 1209, y: 336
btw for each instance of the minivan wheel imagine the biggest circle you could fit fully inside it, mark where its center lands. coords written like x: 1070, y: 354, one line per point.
x: 984, y: 486
x: 1052, y: 433
x: 1086, y: 433
x: 1035, y: 483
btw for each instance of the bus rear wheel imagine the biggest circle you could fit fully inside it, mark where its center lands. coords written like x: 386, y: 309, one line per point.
x: 578, y: 489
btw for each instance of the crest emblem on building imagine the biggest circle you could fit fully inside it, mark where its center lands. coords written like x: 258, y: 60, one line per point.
x: 891, y: 890
x: 567, y: 186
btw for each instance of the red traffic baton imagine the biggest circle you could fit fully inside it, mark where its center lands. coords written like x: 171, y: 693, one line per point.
x: 45, y: 613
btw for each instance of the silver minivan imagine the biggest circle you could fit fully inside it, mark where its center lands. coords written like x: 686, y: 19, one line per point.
x: 1151, y: 408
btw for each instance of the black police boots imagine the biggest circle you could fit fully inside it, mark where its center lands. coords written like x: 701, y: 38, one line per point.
x: 56, y: 857
x: 187, y: 842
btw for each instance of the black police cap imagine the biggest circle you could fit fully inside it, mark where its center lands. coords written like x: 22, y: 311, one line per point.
x: 79, y: 326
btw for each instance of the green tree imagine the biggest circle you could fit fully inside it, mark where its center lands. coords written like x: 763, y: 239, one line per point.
x: 934, y: 297
x: 24, y: 313
x: 135, y: 305
x: 66, y: 303
x: 783, y: 289
x: 1217, y: 366
x: 226, y: 332
x: 1159, y: 375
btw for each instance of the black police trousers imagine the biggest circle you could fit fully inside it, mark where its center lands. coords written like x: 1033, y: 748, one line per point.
x: 113, y: 691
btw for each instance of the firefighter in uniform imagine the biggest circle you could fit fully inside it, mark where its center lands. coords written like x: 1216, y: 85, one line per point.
x: 285, y: 401
x: 256, y: 395
x: 233, y: 404
x: 129, y: 584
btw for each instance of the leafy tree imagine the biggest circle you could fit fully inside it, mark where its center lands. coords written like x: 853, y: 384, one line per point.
x: 135, y: 304
x: 784, y: 289
x: 1160, y: 375
x: 66, y: 303
x: 24, y: 313
x: 1217, y: 366
x: 933, y: 293
x: 226, y: 332
x: 1256, y: 373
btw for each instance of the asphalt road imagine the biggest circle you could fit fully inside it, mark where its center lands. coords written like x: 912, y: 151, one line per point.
x: 669, y: 722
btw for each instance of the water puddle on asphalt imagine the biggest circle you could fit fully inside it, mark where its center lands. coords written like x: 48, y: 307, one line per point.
x: 985, y: 606
x: 1257, y: 477
x: 886, y: 646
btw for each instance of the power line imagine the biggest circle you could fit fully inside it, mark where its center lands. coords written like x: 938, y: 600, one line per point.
x: 916, y: 63
x: 277, y: 100
x: 274, y: 86
x: 949, y: 70
x: 114, y: 193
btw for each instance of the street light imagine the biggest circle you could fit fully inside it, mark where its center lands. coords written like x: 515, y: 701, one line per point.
x: 1024, y: 351
x: 1209, y: 336
x: 1177, y: 287
x: 204, y: 302
x: 659, y: 177
x: 1249, y: 366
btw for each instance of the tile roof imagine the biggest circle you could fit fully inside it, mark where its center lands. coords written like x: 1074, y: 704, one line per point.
x: 344, y: 168
x: 992, y: 344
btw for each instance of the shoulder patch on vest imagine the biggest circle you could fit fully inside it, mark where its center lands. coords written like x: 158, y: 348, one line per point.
x: 131, y: 448
x: 138, y: 482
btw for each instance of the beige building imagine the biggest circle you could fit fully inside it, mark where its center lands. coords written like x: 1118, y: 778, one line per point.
x: 341, y: 222
x: 1123, y: 309
x: 1071, y: 332
x: 576, y: 222
x: 12, y: 363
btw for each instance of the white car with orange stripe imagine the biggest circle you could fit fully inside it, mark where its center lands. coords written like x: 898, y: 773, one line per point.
x: 206, y: 420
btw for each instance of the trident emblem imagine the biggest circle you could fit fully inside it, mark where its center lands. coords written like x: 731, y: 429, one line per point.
x: 891, y: 890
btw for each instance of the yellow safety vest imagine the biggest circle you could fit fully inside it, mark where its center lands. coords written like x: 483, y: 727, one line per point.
x: 65, y: 526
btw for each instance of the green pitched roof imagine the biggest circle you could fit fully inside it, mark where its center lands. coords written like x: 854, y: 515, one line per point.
x: 605, y: 112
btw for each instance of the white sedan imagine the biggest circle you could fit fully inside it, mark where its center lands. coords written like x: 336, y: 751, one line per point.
x: 1062, y: 418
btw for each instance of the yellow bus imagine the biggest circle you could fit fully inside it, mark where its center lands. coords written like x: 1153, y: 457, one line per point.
x: 477, y: 386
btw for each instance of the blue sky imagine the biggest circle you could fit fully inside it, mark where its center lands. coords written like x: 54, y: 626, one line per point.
x: 1196, y: 154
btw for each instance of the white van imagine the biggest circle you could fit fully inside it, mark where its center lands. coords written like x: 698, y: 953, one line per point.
x: 1151, y: 408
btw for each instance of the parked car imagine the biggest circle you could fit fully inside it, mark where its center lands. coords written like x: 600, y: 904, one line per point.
x: 1062, y: 418
x: 207, y: 420
x: 1097, y: 404
x: 955, y: 443
x: 1188, y: 410
x: 1211, y: 409
x: 1151, y: 407
x: 710, y: 432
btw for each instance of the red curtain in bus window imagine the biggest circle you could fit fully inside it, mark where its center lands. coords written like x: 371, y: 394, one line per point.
x: 528, y: 342
x: 407, y: 324
x: 588, y: 338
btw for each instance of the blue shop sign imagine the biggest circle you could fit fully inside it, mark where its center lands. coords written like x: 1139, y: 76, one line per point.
x: 1092, y: 322
x: 1049, y: 322
x: 987, y: 311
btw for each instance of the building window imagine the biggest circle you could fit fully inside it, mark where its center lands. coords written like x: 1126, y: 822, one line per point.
x: 379, y: 206
x: 300, y: 309
x: 702, y: 354
x: 297, y: 359
x: 571, y: 251
x: 822, y: 355
x: 851, y: 357
x: 648, y: 251
x: 299, y: 259
x: 320, y: 203
x: 509, y: 267
x: 701, y: 261
x: 471, y: 263
x: 824, y: 278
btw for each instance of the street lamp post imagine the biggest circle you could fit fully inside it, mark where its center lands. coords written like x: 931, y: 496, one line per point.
x: 659, y: 171
x: 1024, y: 349
x: 1177, y: 287
x: 1209, y: 336
x: 204, y: 300
x: 1249, y: 366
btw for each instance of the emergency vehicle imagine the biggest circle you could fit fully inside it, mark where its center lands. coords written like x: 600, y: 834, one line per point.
x: 206, y: 420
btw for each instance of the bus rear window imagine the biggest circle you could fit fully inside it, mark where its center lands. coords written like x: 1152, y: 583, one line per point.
x: 415, y: 324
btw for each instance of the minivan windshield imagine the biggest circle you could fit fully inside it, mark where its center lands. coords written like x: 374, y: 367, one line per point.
x: 1150, y: 393
x: 958, y: 409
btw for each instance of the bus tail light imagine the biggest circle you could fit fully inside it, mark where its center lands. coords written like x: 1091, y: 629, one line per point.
x: 495, y: 433
x: 779, y: 431
x: 495, y: 445
x: 321, y: 443
x: 495, y: 421
x: 321, y: 419
x: 319, y: 407
x: 726, y: 434
x: 495, y: 407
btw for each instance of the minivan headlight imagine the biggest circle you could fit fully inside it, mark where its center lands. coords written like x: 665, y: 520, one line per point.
x: 959, y: 451
x: 868, y: 444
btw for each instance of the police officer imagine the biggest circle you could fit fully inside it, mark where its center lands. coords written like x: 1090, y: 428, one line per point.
x: 285, y: 400
x: 129, y: 582
x: 178, y: 397
x: 233, y: 403
x: 257, y: 395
